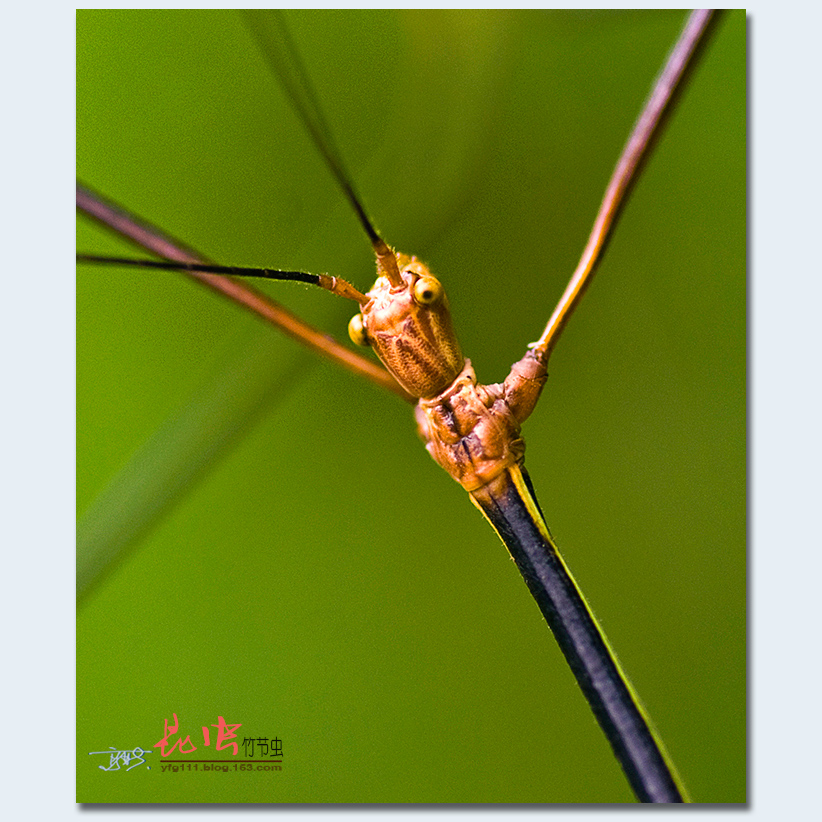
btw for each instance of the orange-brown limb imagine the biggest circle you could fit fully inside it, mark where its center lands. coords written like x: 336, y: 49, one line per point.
x: 625, y: 172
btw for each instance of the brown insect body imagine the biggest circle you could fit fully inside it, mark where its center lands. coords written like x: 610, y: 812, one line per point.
x: 470, y: 429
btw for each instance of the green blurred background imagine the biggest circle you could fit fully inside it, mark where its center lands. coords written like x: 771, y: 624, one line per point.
x: 301, y: 566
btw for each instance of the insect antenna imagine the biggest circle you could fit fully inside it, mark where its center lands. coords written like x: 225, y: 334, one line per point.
x: 279, y: 51
x: 335, y: 285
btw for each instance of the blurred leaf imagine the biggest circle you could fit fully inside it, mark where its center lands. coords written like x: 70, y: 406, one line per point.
x: 182, y: 449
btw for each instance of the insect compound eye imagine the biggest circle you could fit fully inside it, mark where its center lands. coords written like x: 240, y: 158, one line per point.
x: 427, y: 290
x: 357, y: 332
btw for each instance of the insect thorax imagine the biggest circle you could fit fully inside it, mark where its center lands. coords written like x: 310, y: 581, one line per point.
x: 473, y: 430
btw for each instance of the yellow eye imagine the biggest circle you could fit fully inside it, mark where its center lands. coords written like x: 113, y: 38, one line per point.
x: 427, y: 290
x: 357, y: 332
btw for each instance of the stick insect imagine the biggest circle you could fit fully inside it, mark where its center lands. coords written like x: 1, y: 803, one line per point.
x: 350, y: 633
